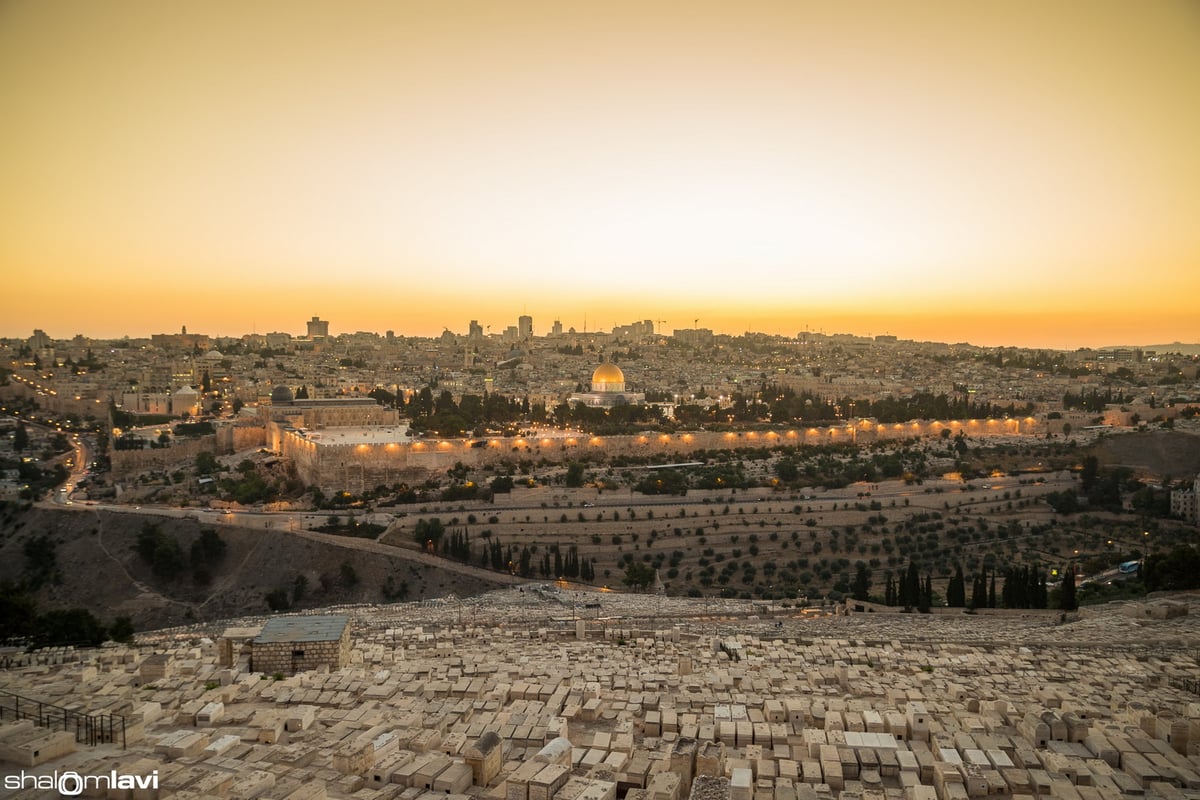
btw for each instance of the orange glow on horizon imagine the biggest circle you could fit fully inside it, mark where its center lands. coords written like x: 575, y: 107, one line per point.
x: 994, y: 173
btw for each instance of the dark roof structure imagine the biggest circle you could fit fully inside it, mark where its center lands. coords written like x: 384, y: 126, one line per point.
x: 324, y: 628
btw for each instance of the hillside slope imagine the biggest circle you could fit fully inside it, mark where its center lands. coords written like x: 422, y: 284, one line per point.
x: 96, y: 566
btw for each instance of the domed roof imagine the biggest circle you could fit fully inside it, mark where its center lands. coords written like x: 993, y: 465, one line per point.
x: 608, y: 373
x: 281, y: 394
x: 608, y: 378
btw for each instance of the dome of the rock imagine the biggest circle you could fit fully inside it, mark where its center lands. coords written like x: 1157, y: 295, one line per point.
x: 608, y: 378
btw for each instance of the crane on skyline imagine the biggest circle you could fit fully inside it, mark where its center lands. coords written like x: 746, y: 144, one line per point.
x: 660, y: 323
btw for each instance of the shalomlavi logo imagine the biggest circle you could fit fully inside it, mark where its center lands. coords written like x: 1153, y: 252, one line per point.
x: 72, y: 784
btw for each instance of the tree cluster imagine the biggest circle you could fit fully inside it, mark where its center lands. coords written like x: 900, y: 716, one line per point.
x: 470, y: 413
x: 910, y: 591
x: 22, y: 622
x: 1025, y: 587
x: 1094, y: 401
x: 1175, y: 570
x: 165, y: 556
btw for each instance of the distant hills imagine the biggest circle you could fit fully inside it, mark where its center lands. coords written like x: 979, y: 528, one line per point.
x: 1174, y: 347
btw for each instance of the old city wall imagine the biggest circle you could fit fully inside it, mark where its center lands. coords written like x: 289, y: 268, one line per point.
x: 127, y: 462
x: 227, y: 439
x: 239, y: 437
x: 681, y: 446
x: 357, y: 467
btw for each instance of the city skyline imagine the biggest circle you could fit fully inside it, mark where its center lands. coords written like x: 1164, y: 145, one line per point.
x: 999, y: 174
x: 506, y: 329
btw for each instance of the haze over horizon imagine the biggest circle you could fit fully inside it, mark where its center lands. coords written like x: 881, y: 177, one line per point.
x: 1015, y: 174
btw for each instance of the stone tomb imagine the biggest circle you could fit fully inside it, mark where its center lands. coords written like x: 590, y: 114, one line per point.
x: 295, y: 644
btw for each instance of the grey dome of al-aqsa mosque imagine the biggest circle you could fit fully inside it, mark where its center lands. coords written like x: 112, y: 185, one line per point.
x: 281, y: 394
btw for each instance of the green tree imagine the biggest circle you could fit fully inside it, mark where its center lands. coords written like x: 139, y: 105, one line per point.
x: 956, y: 590
x: 20, y: 438
x: 910, y: 587
x: 1089, y: 473
x: 574, y: 476
x: 160, y: 550
x: 787, y: 471
x: 1066, y: 598
x: 979, y: 590
x: 862, y: 582
x: 206, y: 463
x: 428, y: 533
x: 18, y: 612
x: 277, y: 599
x: 638, y: 575
x: 121, y: 630
x: 1174, y: 570
x: 76, y: 626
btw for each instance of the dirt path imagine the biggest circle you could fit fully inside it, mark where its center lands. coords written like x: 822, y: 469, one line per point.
x: 445, y: 564
x: 231, y: 578
x: 141, y: 587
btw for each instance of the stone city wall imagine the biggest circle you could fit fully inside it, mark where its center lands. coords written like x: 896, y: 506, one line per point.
x: 181, y: 451
x: 361, y: 466
x: 239, y: 437
x: 227, y: 439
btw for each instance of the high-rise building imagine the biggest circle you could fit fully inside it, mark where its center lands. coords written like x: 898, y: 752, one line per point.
x: 318, y: 328
x: 39, y: 340
x: 525, y: 326
x: 475, y: 331
x: 556, y: 328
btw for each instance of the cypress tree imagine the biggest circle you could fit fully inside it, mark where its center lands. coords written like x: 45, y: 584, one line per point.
x: 956, y: 591
x: 979, y: 590
x: 862, y: 582
x: 1067, y: 598
x: 910, y: 587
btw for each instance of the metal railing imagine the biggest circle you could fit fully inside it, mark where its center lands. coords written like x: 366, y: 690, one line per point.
x: 1187, y: 684
x: 89, y: 729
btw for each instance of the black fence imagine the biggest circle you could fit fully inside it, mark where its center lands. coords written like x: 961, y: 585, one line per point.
x: 89, y: 729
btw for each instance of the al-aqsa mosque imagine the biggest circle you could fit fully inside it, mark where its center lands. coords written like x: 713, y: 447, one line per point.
x: 608, y: 389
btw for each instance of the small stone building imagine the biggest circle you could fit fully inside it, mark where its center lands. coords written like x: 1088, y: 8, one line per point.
x: 485, y: 757
x: 298, y: 643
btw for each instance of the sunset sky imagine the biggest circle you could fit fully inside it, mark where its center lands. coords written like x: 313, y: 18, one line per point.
x: 1024, y: 172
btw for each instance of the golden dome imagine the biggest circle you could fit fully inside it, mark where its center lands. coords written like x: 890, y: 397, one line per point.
x: 608, y: 378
